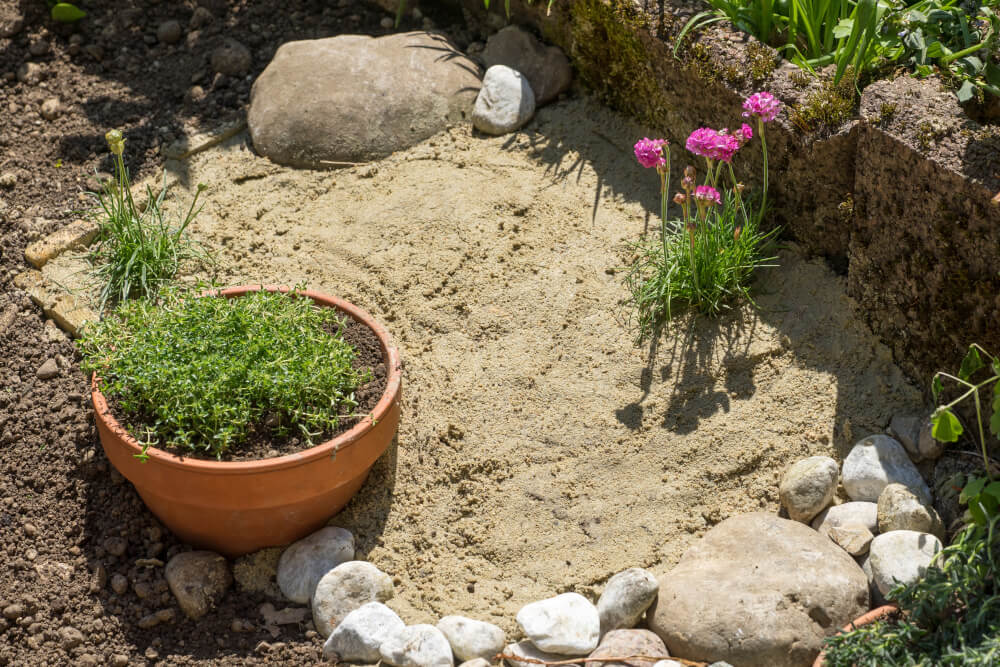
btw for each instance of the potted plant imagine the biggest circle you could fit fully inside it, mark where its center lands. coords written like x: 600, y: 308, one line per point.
x: 186, y: 386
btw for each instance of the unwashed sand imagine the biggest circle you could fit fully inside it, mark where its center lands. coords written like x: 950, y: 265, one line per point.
x: 540, y: 450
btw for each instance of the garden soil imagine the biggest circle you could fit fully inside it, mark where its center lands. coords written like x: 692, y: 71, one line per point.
x: 540, y: 449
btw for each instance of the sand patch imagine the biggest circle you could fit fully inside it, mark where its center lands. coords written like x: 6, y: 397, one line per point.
x: 540, y: 450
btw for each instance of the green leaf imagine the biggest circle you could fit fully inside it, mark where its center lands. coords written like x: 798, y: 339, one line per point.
x: 67, y: 13
x: 936, y: 386
x: 972, y: 489
x: 915, y: 40
x: 972, y: 363
x: 937, y: 49
x: 993, y: 489
x: 843, y: 28
x: 947, y: 428
x: 966, y: 92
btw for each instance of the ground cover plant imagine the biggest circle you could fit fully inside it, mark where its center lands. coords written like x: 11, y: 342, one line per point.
x: 706, y: 258
x: 199, y: 374
x: 864, y: 37
x: 137, y: 249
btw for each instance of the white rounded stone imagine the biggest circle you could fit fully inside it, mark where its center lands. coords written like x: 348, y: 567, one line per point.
x: 470, y: 639
x: 876, y: 462
x: 419, y: 645
x: 305, y: 562
x: 567, y: 624
x: 345, y: 588
x: 625, y: 599
x: 358, y: 637
x: 901, y: 557
x: 505, y: 102
x: 808, y: 486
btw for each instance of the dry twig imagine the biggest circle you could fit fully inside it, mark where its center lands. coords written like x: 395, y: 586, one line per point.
x: 577, y: 661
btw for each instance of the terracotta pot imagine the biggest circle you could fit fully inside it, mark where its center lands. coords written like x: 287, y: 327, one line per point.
x: 242, y: 506
x: 876, y: 614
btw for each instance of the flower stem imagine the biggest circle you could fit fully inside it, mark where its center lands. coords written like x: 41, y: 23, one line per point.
x: 763, y: 145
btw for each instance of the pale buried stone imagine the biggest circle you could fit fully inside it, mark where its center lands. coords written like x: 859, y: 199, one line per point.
x: 567, y: 624
x: 525, y: 649
x: 77, y: 234
x: 863, y: 513
x: 927, y: 445
x: 305, y: 562
x: 621, y: 643
x: 470, y: 639
x: 901, y: 557
x: 345, y: 588
x: 877, y: 461
x: 505, y: 102
x: 906, y: 429
x: 808, y: 486
x: 728, y: 597
x: 625, y: 599
x: 899, y: 508
x: 853, y: 538
x: 358, y: 637
x: 68, y: 312
x: 418, y: 645
x: 198, y: 580
x: 355, y: 98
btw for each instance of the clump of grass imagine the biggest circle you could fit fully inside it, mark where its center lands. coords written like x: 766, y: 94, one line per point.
x: 200, y: 373
x: 137, y: 251
x: 664, y: 279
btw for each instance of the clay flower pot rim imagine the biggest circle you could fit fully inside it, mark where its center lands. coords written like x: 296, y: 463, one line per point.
x: 875, y: 614
x: 328, y: 448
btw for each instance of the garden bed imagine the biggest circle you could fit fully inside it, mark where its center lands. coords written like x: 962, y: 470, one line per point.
x: 539, y: 450
x: 536, y: 438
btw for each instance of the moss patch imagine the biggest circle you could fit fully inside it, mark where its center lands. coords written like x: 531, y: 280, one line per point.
x: 610, y: 58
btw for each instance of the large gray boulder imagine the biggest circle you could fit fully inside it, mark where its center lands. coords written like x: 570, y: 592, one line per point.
x: 355, y: 98
x: 758, y: 591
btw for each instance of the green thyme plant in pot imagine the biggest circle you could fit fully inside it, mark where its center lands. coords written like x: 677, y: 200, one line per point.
x: 244, y: 417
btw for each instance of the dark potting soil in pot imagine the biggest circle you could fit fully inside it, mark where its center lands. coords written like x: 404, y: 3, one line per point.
x: 262, y: 443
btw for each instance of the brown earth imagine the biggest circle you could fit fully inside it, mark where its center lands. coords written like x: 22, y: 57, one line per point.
x: 540, y: 450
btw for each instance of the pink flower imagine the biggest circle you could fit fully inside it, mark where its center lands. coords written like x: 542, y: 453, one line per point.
x: 649, y: 152
x: 713, y: 145
x: 744, y: 134
x: 706, y: 194
x: 763, y: 105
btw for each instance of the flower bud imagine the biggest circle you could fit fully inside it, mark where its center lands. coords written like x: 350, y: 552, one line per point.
x: 740, y: 187
x: 116, y: 142
x: 688, y: 183
x: 680, y: 198
x: 689, y: 172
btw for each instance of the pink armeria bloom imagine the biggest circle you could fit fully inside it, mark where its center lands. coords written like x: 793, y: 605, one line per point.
x: 744, y: 134
x: 713, y: 145
x: 707, y: 194
x: 762, y: 105
x: 649, y: 152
